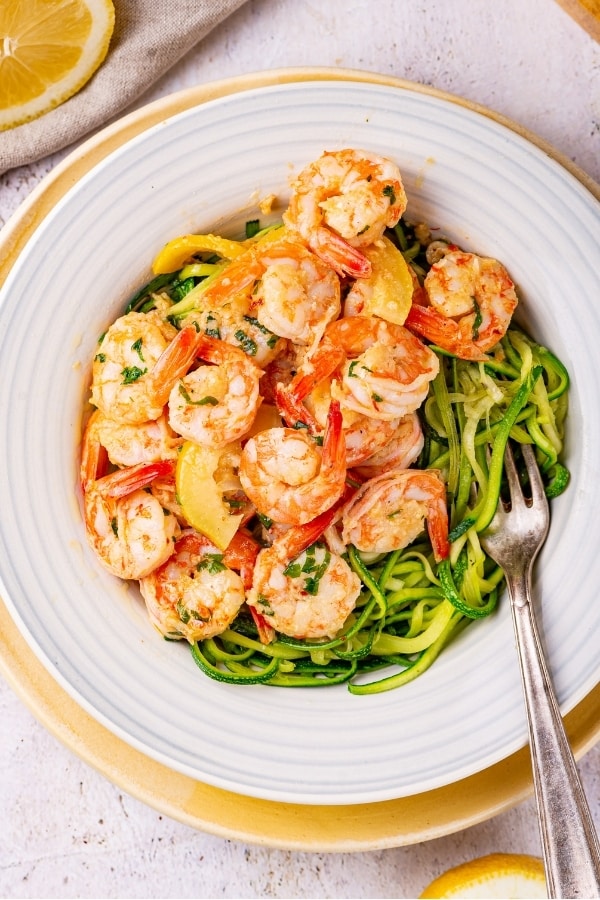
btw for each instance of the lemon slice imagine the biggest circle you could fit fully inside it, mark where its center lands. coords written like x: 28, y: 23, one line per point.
x: 199, y: 495
x: 505, y: 875
x: 388, y: 292
x: 48, y: 50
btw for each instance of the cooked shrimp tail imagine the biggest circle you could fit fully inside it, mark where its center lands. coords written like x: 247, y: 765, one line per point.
x: 266, y: 632
x: 94, y: 458
x: 124, y: 481
x: 241, y: 555
x: 321, y: 365
x: 334, y: 445
x: 173, y: 363
x: 299, y: 537
x: 339, y: 254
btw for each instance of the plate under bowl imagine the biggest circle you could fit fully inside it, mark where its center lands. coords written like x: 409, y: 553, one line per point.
x: 483, y: 185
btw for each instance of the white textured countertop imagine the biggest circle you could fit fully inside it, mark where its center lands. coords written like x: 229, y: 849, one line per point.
x: 66, y: 830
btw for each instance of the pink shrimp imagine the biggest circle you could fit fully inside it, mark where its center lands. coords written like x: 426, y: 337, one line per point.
x: 128, y: 445
x: 388, y: 369
x: 288, y: 477
x: 388, y: 512
x: 125, y: 525
x: 344, y: 201
x: 399, y: 452
x: 216, y: 404
x: 293, y: 294
x: 195, y: 594
x: 300, y: 588
x: 472, y: 300
x: 138, y: 361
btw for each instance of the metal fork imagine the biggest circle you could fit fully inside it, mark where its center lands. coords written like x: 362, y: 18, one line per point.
x: 569, y: 840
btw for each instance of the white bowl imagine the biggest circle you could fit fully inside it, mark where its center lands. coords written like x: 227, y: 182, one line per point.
x: 203, y: 170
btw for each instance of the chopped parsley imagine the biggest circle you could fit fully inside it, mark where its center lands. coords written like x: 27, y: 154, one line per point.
x: 247, y: 344
x: 137, y: 348
x: 272, y: 338
x: 212, y: 330
x: 211, y: 563
x: 265, y: 521
x: 477, y: 320
x: 131, y: 374
x: 265, y: 607
x: 309, y: 567
x: 186, y: 614
x: 204, y: 401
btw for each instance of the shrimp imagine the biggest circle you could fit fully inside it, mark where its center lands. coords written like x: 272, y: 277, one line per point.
x: 216, y: 404
x: 363, y: 435
x: 301, y: 588
x: 293, y: 293
x: 121, y: 388
x: 307, y: 397
x: 399, y: 452
x: 194, y: 594
x: 298, y: 294
x: 344, y: 201
x: 128, y: 445
x: 388, y: 512
x: 127, y: 353
x: 235, y: 323
x: 125, y: 525
x: 388, y: 369
x: 472, y: 299
x: 288, y: 477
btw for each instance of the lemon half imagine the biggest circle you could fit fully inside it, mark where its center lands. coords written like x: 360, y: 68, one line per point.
x: 506, y: 875
x: 48, y: 50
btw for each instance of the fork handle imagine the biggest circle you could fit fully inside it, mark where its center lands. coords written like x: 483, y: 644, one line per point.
x: 569, y: 840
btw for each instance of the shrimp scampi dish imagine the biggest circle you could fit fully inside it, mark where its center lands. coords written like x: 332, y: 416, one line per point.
x: 295, y: 437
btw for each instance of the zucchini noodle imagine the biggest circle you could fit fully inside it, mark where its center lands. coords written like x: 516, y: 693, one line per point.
x: 410, y: 607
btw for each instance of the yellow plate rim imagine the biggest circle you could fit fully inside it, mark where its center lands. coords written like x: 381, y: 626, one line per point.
x: 352, y: 828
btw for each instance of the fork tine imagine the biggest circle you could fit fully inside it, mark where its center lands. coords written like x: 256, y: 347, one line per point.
x: 512, y: 476
x: 538, y: 495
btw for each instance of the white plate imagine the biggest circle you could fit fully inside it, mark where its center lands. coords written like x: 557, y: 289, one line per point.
x: 485, y: 186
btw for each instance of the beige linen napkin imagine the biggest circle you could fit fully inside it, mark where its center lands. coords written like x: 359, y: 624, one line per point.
x: 150, y: 36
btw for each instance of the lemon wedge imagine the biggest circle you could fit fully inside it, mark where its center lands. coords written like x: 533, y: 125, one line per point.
x: 388, y: 291
x: 200, y: 497
x: 178, y: 251
x: 504, y: 875
x: 48, y: 50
